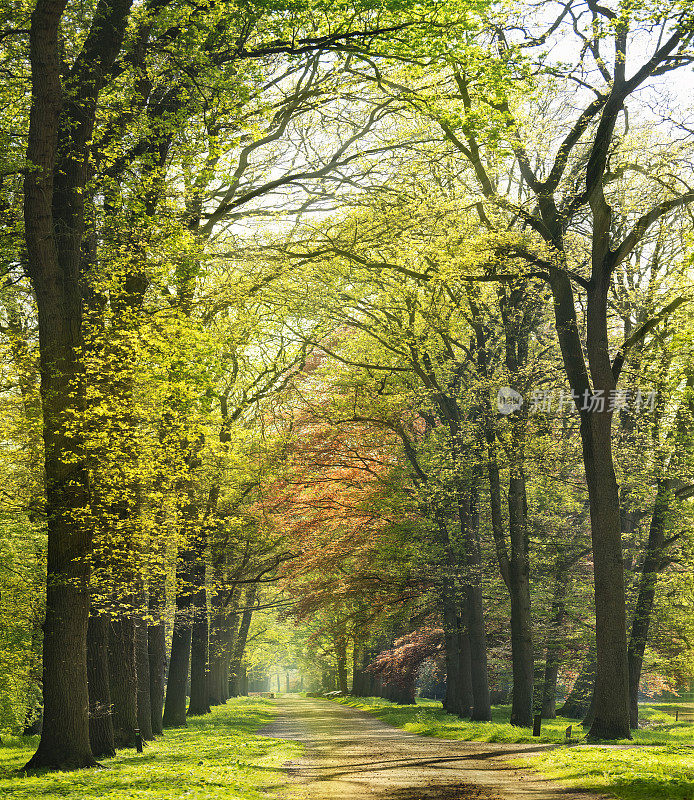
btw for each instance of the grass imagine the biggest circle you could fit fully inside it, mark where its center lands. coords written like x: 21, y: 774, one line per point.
x: 217, y: 756
x: 646, y: 772
x: 658, y: 764
x: 427, y: 718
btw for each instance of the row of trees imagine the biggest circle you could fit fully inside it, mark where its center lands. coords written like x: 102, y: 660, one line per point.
x: 267, y: 267
x: 151, y: 129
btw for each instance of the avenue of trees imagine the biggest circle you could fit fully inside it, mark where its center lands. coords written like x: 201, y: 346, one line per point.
x: 347, y: 338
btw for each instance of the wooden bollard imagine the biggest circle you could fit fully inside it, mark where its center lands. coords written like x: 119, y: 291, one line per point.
x: 138, y: 740
x: 568, y: 734
x: 537, y: 724
x: 677, y: 715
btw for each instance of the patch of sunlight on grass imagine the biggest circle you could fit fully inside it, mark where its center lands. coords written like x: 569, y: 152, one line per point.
x: 216, y: 757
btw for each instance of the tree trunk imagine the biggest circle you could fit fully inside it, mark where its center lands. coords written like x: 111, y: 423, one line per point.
x: 612, y: 674
x: 469, y: 524
x: 459, y: 698
x: 179, y: 661
x: 123, y: 680
x: 144, y: 704
x: 199, y: 661
x: 65, y: 737
x: 652, y: 565
x: 60, y: 133
x: 240, y: 641
x: 521, y: 619
x: 179, y: 664
x: 218, y: 620
x: 186, y: 586
x: 100, y: 722
x: 156, y: 645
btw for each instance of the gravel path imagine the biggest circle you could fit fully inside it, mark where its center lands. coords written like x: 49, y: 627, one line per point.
x: 351, y: 755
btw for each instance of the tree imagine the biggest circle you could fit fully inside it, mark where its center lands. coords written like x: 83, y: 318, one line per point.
x: 552, y: 195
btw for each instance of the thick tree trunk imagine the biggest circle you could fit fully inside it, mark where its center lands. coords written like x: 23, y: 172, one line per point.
x: 60, y: 133
x: 612, y: 674
x: 179, y: 661
x: 651, y: 567
x: 100, y: 722
x: 144, y: 704
x: 179, y: 664
x: 65, y: 737
x: 521, y: 619
x: 186, y: 586
x: 123, y: 680
x: 459, y: 698
x: 156, y: 645
x: 516, y: 574
x: 477, y: 634
x: 199, y: 661
x: 218, y: 621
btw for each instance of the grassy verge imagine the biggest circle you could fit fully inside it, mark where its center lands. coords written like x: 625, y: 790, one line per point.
x: 217, y: 756
x: 657, y: 765
x: 646, y: 772
x: 427, y: 718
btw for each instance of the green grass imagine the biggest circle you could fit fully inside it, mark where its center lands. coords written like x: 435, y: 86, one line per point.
x: 645, y: 772
x: 658, y: 763
x: 427, y: 718
x: 218, y: 756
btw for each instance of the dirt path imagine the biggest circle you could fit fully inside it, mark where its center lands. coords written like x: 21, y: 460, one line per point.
x: 353, y: 756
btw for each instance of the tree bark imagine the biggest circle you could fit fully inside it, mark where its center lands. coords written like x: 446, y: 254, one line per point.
x: 612, y: 674
x: 179, y: 662
x: 156, y: 646
x: 199, y: 662
x: 521, y: 620
x: 100, y: 722
x: 123, y: 680
x: 144, y: 704
x: 477, y: 635
x: 459, y: 698
x: 229, y: 634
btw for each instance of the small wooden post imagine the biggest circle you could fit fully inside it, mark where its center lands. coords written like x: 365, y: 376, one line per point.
x: 138, y: 740
x: 537, y: 724
x: 568, y: 734
x: 677, y: 715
